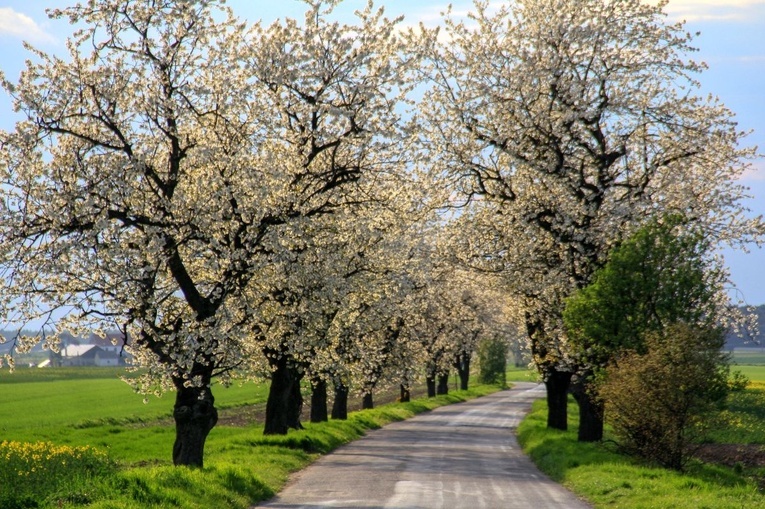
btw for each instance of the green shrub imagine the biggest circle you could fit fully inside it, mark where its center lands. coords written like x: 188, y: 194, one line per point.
x: 738, y: 381
x: 658, y: 402
x: 492, y: 358
x: 607, y: 479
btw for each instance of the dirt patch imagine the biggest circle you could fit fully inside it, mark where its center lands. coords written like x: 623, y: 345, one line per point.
x: 242, y: 415
x: 745, y: 455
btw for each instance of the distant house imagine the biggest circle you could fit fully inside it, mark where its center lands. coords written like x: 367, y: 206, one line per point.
x: 87, y: 355
x: 112, y: 342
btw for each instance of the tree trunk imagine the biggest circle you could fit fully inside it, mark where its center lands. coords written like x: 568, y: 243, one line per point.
x: 430, y: 381
x: 590, y: 413
x: 443, y: 384
x: 319, y: 402
x: 340, y: 405
x: 463, y: 370
x: 284, y: 399
x: 295, y: 402
x: 557, y: 383
x: 367, y: 402
x: 406, y: 395
x: 195, y: 415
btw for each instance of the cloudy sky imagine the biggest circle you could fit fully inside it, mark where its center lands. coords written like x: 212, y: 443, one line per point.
x: 732, y: 43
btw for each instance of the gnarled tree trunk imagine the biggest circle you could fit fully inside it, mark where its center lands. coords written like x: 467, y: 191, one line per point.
x: 340, y: 404
x: 463, y: 370
x: 319, y: 402
x: 285, y: 401
x: 443, y: 384
x: 195, y: 415
x: 556, y: 381
x: 367, y: 402
x: 430, y: 382
x: 406, y: 395
x: 295, y: 402
x: 557, y: 384
x: 590, y: 412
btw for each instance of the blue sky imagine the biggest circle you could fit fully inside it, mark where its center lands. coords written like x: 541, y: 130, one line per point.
x: 732, y: 43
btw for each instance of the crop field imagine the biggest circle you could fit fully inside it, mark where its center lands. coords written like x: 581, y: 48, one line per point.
x: 50, y: 403
x: 93, y: 407
x: 751, y: 362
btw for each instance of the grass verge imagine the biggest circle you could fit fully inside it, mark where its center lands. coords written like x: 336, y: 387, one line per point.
x: 605, y: 478
x: 242, y: 466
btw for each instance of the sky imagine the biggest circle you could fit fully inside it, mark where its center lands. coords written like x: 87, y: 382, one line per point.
x: 731, y: 42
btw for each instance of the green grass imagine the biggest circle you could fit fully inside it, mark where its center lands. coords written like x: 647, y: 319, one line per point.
x: 611, y: 480
x: 86, y: 407
x: 242, y: 466
x: 523, y: 374
x: 741, y: 422
x: 605, y: 478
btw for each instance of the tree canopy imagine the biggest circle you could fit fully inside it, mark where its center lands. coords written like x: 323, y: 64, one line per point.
x: 174, y: 167
x: 664, y: 273
x: 563, y: 126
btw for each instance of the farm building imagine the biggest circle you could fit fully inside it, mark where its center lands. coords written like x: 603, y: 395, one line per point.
x: 87, y: 355
x: 111, y: 342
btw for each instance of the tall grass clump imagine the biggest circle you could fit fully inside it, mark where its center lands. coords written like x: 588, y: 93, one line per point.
x: 41, y: 473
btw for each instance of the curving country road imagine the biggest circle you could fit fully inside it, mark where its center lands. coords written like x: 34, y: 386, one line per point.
x: 458, y: 456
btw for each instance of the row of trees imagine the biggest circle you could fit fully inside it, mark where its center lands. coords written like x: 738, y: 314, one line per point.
x: 239, y: 200
x: 570, y: 126
x: 347, y: 204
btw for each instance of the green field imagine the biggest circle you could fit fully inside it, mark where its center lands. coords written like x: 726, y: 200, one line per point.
x: 77, y: 397
x: 751, y: 362
x: 60, y: 413
x: 65, y: 411
x: 92, y: 406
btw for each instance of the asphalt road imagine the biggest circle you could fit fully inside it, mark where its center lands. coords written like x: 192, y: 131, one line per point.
x: 458, y: 456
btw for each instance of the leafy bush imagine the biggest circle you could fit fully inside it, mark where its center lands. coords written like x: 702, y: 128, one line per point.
x: 492, y: 357
x: 657, y: 402
x: 664, y: 273
x: 738, y: 381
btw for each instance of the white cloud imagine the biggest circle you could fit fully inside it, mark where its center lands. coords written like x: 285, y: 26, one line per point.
x: 711, y: 10
x: 18, y: 25
x: 751, y: 59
